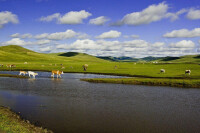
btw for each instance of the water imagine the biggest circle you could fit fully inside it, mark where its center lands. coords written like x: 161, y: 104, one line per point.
x: 69, y: 105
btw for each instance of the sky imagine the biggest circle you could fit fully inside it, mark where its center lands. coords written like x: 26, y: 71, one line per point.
x: 103, y: 27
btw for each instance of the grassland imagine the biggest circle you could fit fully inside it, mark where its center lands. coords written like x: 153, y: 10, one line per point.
x: 11, y: 122
x: 186, y: 83
x: 72, y: 63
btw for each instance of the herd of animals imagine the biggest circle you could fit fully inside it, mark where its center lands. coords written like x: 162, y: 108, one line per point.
x: 58, y: 73
x: 33, y: 74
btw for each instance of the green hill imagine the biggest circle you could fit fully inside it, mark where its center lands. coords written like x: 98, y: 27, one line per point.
x: 181, y: 59
x: 19, y: 54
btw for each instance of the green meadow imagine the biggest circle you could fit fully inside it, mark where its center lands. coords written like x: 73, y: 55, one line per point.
x: 72, y: 62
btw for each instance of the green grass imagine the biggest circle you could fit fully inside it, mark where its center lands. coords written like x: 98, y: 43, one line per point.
x: 10, y: 122
x: 186, y: 83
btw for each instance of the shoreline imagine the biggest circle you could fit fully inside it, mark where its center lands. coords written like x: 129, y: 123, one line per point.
x: 180, y: 83
x: 13, y: 122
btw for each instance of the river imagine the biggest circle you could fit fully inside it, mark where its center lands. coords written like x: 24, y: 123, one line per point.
x: 69, y: 105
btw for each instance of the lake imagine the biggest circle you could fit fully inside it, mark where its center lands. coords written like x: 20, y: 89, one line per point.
x: 69, y: 105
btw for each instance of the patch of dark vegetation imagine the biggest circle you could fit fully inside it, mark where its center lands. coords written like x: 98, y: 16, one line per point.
x: 170, y: 58
x: 69, y: 54
x: 197, y: 57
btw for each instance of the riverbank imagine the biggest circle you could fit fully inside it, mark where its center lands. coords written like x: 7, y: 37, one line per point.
x: 183, y: 83
x: 13, y: 123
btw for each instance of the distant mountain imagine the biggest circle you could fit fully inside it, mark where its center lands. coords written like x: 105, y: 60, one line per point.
x: 119, y: 59
x: 150, y: 58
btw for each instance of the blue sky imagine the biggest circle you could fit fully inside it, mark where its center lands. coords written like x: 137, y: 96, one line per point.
x: 103, y: 27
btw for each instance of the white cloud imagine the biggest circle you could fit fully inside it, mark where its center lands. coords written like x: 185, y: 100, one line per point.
x: 99, y: 20
x: 46, y: 49
x: 57, y: 35
x: 109, y: 34
x: 148, y: 15
x: 41, y: 36
x: 135, y: 36
x: 49, y: 18
x: 183, y: 44
x: 72, y: 17
x: 158, y: 44
x: 7, y: 17
x: 193, y: 14
x: 41, y: 42
x: 80, y: 45
x: 175, y: 16
x: 16, y: 41
x: 17, y: 35
x: 136, y: 43
x: 133, y: 48
x: 183, y: 33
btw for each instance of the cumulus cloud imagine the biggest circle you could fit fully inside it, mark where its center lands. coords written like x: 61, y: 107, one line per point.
x: 148, y: 15
x: 183, y: 44
x: 193, y: 14
x: 57, y: 35
x: 7, y: 17
x: 109, y: 34
x: 133, y: 48
x: 49, y: 18
x: 42, y: 42
x: 136, y: 43
x: 20, y: 42
x: 183, y: 33
x: 72, y: 17
x: 158, y: 44
x: 46, y: 49
x: 99, y: 20
x: 175, y: 16
x: 16, y: 41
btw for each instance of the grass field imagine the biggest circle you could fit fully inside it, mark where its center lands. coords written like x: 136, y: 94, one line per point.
x: 72, y: 62
x: 186, y: 83
x: 11, y: 122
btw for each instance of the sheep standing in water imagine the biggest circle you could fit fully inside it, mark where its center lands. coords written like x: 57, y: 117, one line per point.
x: 85, y: 67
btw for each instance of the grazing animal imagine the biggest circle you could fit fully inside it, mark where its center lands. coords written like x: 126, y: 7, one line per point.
x: 25, y: 63
x: 71, y: 67
x: 1, y: 65
x: 57, y: 72
x: 85, y: 67
x: 162, y: 70
x: 187, y: 71
x: 22, y: 73
x: 62, y: 67
x: 8, y: 65
x: 32, y: 73
x: 115, y: 66
x: 12, y: 66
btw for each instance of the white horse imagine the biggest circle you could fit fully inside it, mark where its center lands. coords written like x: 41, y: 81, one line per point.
x: 32, y: 73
